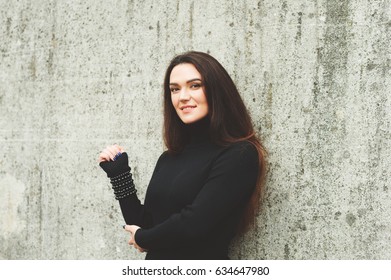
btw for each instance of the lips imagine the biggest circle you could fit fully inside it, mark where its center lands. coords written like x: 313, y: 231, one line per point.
x: 187, y: 107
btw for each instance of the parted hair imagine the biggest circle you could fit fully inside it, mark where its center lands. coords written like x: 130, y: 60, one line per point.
x: 229, y: 119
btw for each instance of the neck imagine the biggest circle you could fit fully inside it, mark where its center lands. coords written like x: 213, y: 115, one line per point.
x: 199, y: 131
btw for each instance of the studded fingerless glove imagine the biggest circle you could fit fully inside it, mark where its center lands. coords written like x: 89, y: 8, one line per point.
x: 120, y: 177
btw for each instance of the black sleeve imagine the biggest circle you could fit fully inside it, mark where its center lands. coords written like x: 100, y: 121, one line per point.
x: 132, y: 210
x: 229, y: 186
x: 131, y: 207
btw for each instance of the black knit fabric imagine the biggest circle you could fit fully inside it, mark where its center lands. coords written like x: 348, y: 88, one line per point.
x: 194, y: 200
x: 116, y: 168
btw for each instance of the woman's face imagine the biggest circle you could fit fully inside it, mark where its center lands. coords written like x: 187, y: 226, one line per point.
x: 187, y: 93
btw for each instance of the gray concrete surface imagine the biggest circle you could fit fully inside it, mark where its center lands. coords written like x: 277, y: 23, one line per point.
x: 76, y: 76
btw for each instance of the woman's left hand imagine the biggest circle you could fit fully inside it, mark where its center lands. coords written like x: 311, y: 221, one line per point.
x: 133, y: 229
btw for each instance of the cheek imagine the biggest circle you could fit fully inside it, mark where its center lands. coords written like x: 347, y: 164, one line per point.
x: 174, y: 100
x: 206, y: 111
x: 205, y: 102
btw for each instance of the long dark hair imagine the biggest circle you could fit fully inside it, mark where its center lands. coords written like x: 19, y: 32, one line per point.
x: 230, y: 121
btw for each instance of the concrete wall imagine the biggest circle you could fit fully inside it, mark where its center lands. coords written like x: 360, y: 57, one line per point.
x: 76, y: 76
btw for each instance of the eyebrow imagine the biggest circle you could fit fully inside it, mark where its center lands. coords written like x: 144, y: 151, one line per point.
x: 189, y: 81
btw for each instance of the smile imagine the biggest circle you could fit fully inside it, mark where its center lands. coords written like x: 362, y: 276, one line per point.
x: 187, y: 107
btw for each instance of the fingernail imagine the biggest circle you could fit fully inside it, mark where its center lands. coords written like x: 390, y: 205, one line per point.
x: 117, y: 155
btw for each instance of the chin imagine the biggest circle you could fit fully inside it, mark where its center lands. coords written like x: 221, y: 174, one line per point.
x: 186, y: 121
x: 189, y: 119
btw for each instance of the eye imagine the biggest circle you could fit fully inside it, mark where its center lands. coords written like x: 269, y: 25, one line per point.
x: 174, y: 89
x: 195, y: 86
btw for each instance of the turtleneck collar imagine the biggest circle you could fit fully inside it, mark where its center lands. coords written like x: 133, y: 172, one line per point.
x: 199, y: 131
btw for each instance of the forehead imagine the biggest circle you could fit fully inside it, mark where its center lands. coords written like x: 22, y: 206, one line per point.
x: 184, y: 72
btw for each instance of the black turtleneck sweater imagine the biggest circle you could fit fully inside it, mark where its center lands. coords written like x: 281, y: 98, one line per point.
x: 194, y: 200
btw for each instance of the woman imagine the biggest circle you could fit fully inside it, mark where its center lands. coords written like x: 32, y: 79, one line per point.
x: 206, y: 187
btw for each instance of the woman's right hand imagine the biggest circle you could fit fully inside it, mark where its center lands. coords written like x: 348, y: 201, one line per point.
x: 113, y: 164
x: 109, y: 153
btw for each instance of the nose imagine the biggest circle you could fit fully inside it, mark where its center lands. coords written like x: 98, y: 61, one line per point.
x: 184, y: 95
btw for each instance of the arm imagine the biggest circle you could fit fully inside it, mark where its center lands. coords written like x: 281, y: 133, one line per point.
x: 230, y: 183
x: 132, y: 210
x: 121, y: 179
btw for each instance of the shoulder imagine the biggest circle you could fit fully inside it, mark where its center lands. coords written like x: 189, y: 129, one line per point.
x: 238, y: 162
x: 162, y: 158
x: 242, y: 149
x: 240, y: 153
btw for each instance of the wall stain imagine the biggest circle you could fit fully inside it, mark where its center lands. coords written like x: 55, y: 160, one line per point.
x: 335, y: 51
x: 269, y: 100
x: 191, y: 20
x: 50, y: 61
x: 286, y: 252
x: 130, y: 12
x: 284, y: 10
x: 299, y: 24
x: 350, y: 219
x: 327, y: 125
x: 23, y: 22
x: 158, y: 30
x: 33, y: 67
x: 8, y: 26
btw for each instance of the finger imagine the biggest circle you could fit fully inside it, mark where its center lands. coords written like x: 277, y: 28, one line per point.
x: 110, y: 152
x: 128, y: 228
x: 103, y: 157
x: 107, y: 153
x: 141, y: 250
x: 136, y: 247
x: 119, y: 148
x: 131, y: 242
x: 114, y: 150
